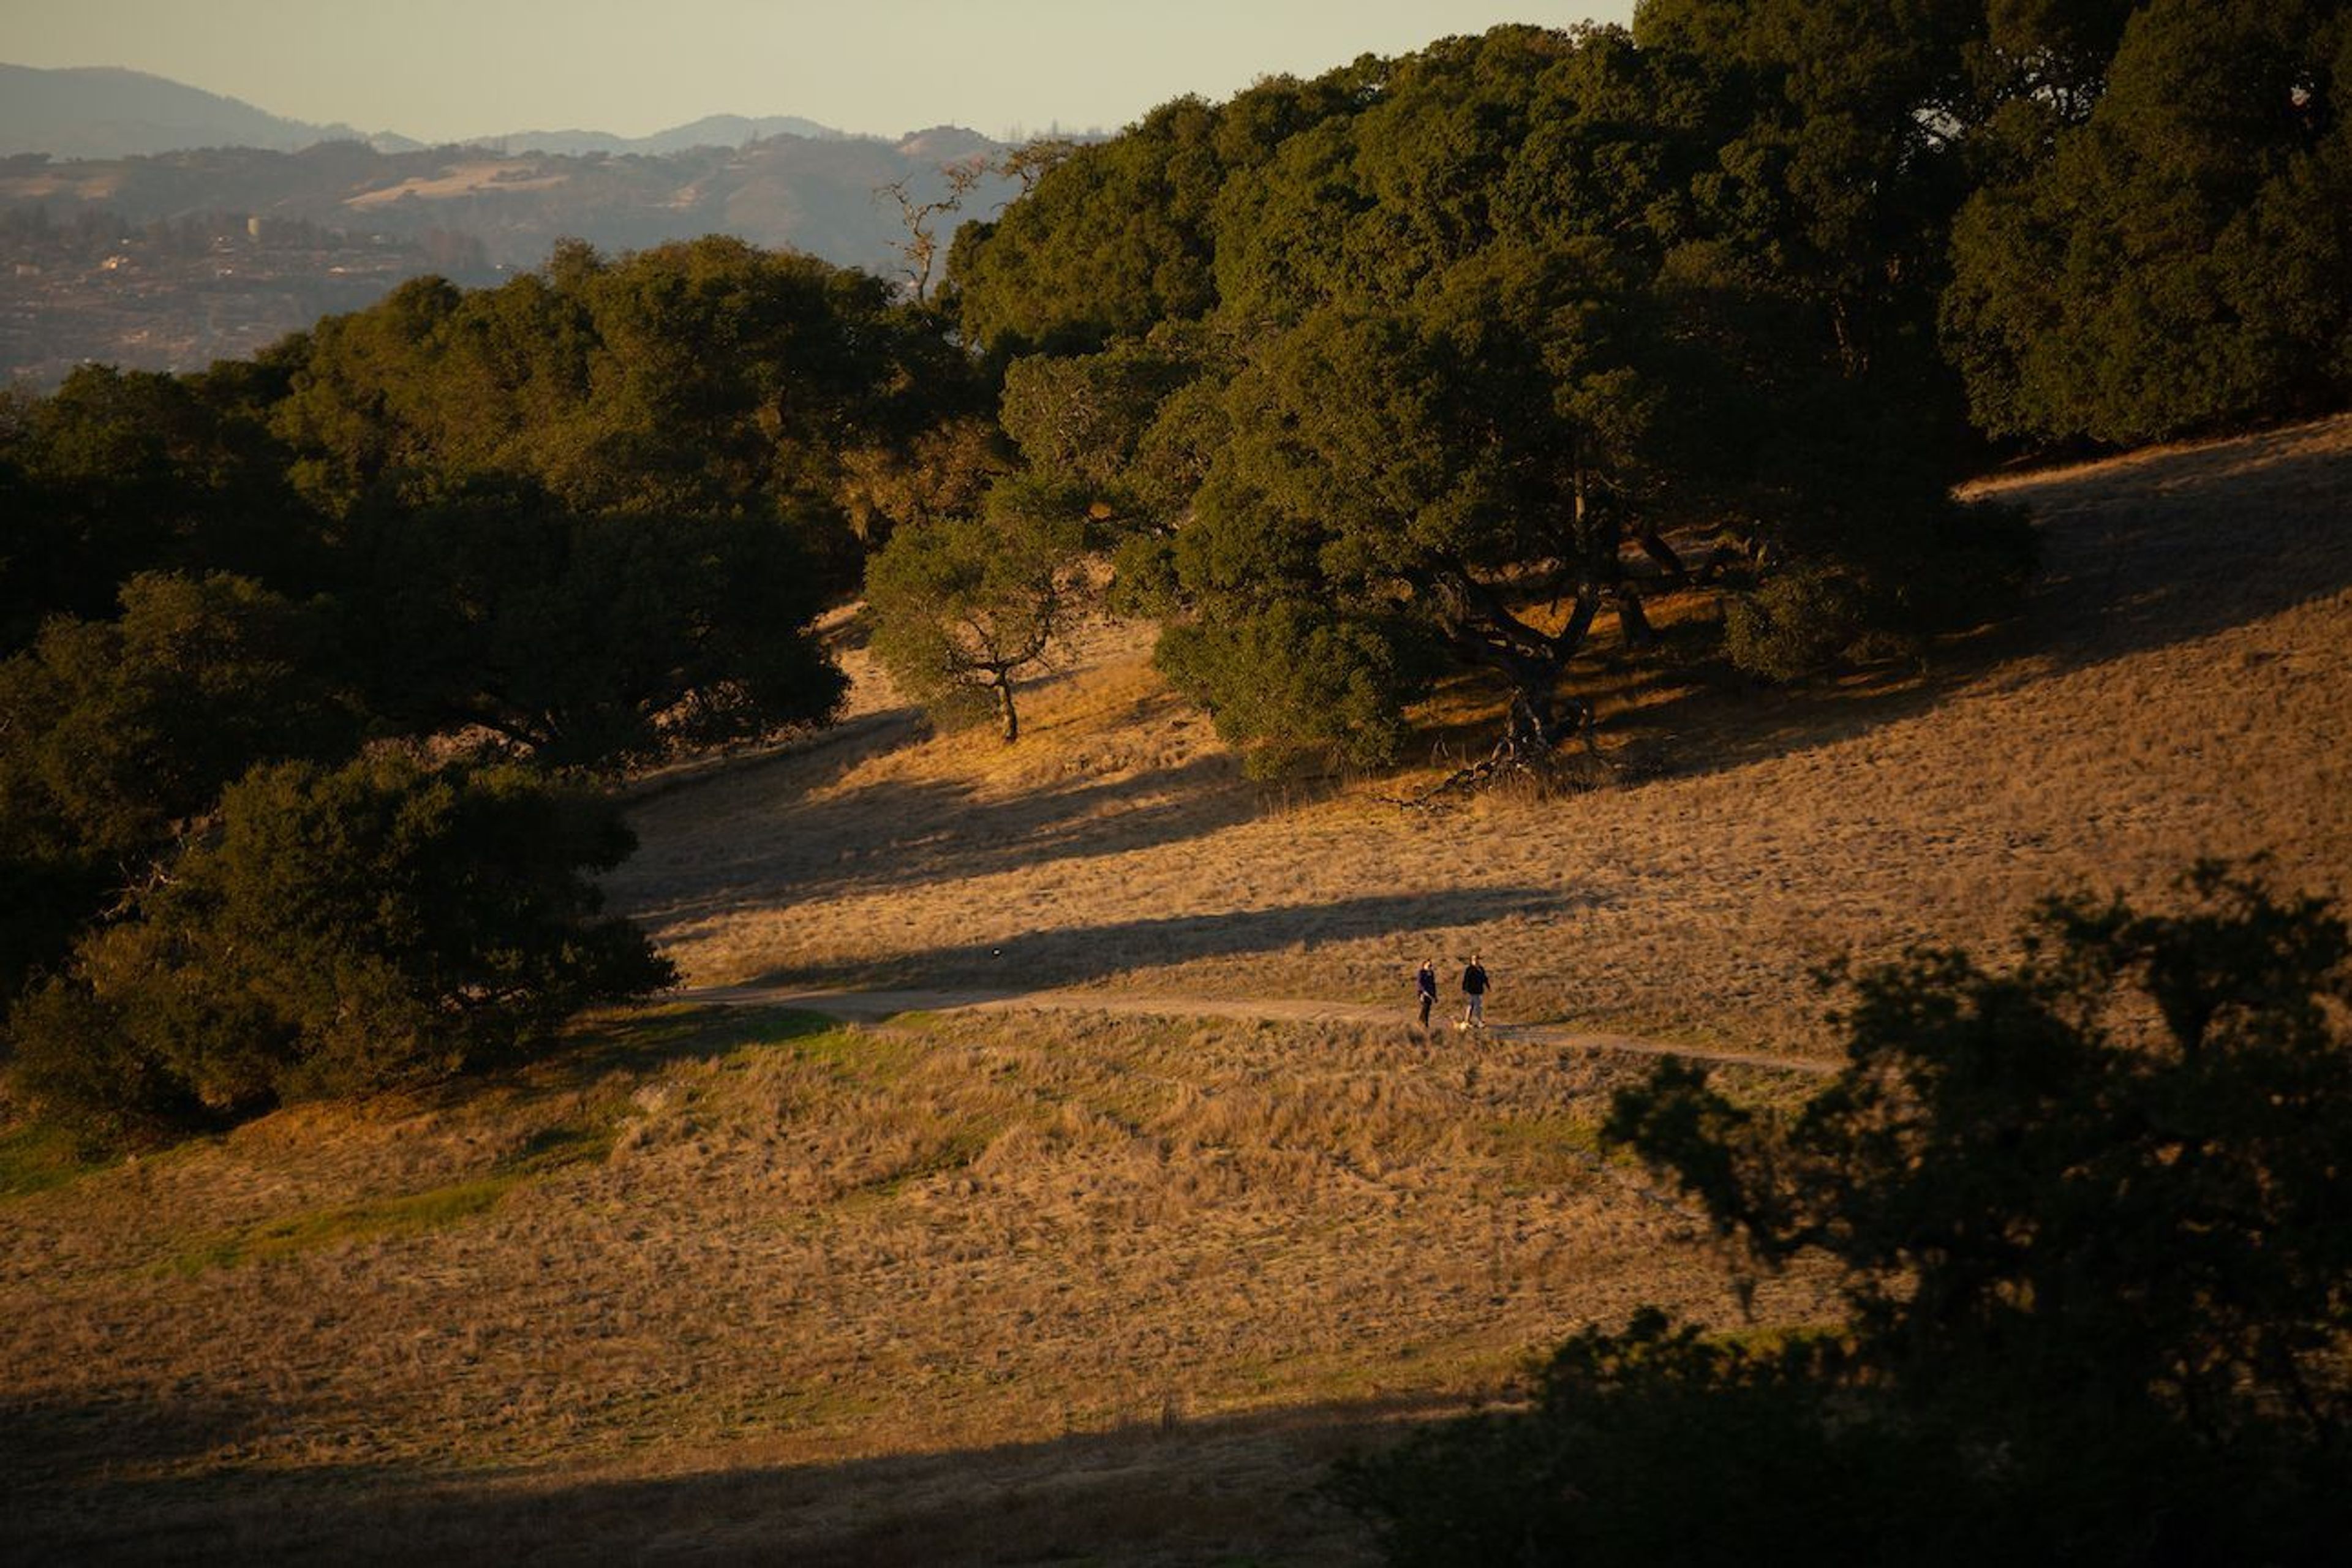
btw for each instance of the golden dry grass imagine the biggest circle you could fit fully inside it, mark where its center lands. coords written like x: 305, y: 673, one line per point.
x: 739, y: 1286
x: 2178, y: 688
x: 1114, y: 1257
x: 503, y: 175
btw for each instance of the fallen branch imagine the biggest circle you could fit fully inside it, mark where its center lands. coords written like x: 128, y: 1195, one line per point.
x: 1529, y: 750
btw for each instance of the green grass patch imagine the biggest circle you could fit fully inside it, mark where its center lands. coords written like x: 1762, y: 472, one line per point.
x: 550, y: 1150
x: 648, y: 1036
x: 1547, y: 1147
x: 34, y: 1157
x: 1776, y: 1338
x: 413, y: 1215
x: 870, y: 1056
x: 571, y: 1143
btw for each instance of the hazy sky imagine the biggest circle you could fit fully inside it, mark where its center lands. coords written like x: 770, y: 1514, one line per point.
x: 440, y: 69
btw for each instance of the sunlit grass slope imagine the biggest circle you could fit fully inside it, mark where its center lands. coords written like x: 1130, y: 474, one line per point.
x: 744, y: 1286
x: 749, y: 1244
x: 2178, y: 686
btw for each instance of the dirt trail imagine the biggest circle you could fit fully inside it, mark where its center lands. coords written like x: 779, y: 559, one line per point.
x: 874, y: 1005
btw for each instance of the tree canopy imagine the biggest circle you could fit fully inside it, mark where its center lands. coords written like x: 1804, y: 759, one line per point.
x: 346, y: 928
x: 120, y: 734
x: 1469, y: 334
x: 2180, y: 258
x: 120, y: 472
x: 1448, y: 347
x: 585, y: 638
x: 588, y: 516
x: 961, y: 604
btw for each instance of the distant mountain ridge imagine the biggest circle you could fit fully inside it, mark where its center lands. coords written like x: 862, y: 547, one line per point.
x: 105, y: 111
x: 711, y: 130
x: 818, y: 197
x: 151, y: 226
x: 108, y: 112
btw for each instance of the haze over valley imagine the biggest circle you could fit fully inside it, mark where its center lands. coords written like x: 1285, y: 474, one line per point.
x: 158, y: 227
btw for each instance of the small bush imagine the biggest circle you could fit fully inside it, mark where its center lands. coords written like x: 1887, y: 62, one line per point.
x: 1295, y: 685
x: 1984, y: 553
x: 1947, y: 569
x: 1795, y: 622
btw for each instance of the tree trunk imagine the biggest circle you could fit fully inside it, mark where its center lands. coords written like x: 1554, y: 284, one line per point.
x: 1658, y: 549
x: 1008, y: 720
x: 1633, y: 620
x: 1526, y: 732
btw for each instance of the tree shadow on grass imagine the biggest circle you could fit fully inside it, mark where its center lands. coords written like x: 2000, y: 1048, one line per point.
x: 816, y: 757
x: 2171, y: 546
x: 59, y: 1441
x: 127, y: 1474
x: 641, y: 1039
x: 1075, y: 955
x: 904, y: 835
x: 1715, y: 719
x: 1162, y: 1488
x: 634, y: 1040
x: 2141, y: 554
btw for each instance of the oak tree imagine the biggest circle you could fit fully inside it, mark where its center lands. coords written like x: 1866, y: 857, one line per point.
x: 961, y: 606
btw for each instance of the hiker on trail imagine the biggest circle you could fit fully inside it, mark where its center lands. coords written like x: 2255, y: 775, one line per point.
x: 1474, y: 986
x: 1424, y: 980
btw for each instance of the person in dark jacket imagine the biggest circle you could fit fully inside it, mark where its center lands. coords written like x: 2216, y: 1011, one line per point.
x: 1475, y: 986
x: 1425, y: 981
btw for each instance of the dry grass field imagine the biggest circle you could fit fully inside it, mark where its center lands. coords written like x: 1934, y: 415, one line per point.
x: 742, y: 1284
x: 2178, y: 686
x: 745, y: 1285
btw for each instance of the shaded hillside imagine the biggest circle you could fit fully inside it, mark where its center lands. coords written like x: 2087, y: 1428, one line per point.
x: 103, y: 112
x: 2175, y: 689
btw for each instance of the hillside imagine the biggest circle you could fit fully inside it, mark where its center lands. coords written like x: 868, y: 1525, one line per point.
x: 742, y: 1285
x: 105, y: 111
x: 101, y: 111
x: 2175, y: 689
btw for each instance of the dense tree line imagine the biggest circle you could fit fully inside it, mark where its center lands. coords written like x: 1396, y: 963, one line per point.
x: 2172, y: 255
x: 1425, y: 367
x: 1450, y: 345
x: 573, y: 523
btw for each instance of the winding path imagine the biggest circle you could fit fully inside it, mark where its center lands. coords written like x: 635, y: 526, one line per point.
x: 875, y: 1006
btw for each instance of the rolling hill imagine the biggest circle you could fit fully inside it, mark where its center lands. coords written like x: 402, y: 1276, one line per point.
x: 2173, y: 689
x: 736, y: 1283
x: 106, y: 111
